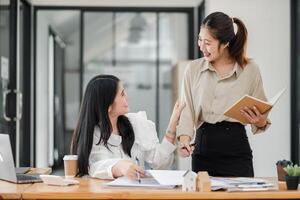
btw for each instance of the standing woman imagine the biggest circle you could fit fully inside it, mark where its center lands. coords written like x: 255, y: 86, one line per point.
x: 211, y: 84
x: 110, y: 142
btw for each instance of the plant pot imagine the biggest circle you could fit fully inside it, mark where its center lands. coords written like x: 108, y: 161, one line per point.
x: 281, y: 173
x: 292, y: 182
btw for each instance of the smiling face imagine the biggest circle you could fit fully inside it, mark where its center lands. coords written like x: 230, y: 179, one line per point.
x: 120, y: 104
x: 211, y: 48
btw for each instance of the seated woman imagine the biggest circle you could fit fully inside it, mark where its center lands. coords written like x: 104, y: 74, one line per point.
x: 108, y: 140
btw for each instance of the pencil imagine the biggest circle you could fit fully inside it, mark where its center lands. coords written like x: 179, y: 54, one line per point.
x: 137, y: 173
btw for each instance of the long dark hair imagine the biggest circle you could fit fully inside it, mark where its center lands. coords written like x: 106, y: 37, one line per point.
x: 100, y: 93
x: 221, y: 27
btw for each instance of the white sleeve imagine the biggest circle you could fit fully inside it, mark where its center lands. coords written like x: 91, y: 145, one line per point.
x: 100, y: 162
x: 162, y: 156
x: 158, y: 155
x: 102, y: 168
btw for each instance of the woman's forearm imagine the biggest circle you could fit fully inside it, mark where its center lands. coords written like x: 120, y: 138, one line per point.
x: 171, y: 133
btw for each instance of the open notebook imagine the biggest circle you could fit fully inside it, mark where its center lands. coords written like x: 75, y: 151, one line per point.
x: 249, y: 101
x: 164, y: 179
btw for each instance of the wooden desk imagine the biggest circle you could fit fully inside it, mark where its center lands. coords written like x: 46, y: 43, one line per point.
x: 14, y: 191
x: 11, y: 190
x: 40, y: 171
x: 93, y: 189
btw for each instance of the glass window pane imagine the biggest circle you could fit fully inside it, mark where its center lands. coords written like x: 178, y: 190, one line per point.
x: 124, y: 47
x: 173, y: 47
x: 136, y: 51
x: 4, y: 57
x: 98, y: 44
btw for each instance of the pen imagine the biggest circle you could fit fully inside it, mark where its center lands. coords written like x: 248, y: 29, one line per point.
x: 193, y: 144
x: 137, y: 173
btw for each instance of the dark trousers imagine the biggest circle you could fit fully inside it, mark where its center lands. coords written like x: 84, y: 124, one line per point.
x: 223, y: 149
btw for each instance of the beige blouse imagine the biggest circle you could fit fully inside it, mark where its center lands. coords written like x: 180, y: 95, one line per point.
x: 207, y: 95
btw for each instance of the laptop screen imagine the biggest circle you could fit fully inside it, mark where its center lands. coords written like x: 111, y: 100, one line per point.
x: 7, y: 166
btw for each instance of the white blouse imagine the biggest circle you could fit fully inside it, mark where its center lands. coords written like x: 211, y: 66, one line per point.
x: 146, y: 148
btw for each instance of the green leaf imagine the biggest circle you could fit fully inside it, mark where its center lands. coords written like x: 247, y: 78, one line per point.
x: 292, y: 170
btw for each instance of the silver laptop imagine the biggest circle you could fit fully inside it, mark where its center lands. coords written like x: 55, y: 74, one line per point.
x: 7, y: 166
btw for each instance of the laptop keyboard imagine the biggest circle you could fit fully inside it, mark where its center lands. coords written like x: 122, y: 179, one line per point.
x: 24, y: 177
x: 21, y: 177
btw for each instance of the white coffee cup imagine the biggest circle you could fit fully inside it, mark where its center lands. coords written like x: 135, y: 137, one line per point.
x: 70, y: 165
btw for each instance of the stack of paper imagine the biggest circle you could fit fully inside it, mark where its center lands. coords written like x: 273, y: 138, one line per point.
x: 241, y: 184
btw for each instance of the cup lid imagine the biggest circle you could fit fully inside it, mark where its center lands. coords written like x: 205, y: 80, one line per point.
x: 70, y: 157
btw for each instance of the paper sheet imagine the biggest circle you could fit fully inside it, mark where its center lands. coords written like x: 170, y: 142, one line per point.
x: 145, y: 182
x: 168, y: 177
x: 157, y: 179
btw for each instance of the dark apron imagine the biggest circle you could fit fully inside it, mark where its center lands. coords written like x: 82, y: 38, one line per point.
x: 223, y: 149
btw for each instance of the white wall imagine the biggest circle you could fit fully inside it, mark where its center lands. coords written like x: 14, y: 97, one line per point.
x: 268, y: 24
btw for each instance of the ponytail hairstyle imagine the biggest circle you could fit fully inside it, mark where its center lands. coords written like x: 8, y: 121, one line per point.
x: 221, y: 27
x: 100, y: 93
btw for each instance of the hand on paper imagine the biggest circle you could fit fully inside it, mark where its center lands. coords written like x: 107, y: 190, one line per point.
x: 127, y: 168
x: 254, y: 116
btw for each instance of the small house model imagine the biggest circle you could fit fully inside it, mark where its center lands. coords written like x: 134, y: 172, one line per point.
x: 189, y: 181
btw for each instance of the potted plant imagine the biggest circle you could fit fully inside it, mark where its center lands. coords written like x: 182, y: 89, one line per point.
x: 292, y: 177
x: 280, y: 164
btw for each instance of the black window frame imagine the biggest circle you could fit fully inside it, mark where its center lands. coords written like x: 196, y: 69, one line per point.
x: 295, y: 70
x: 14, y: 50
